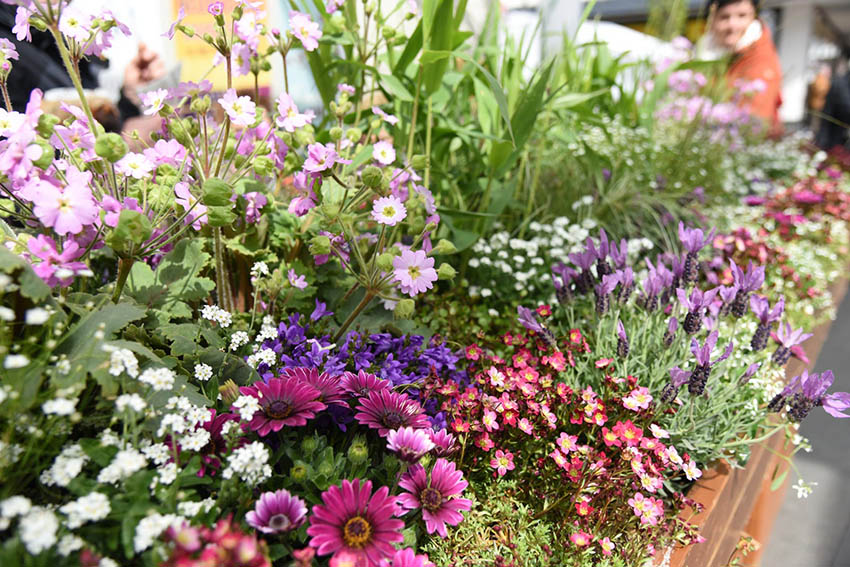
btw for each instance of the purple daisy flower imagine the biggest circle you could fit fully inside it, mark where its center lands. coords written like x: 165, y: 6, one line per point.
x: 437, y: 494
x: 409, y: 444
x: 385, y: 410
x: 355, y: 520
x: 283, y: 401
x: 277, y: 512
x: 329, y: 386
x: 444, y: 442
x: 360, y: 384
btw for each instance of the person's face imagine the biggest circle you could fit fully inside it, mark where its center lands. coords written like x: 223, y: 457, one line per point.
x: 731, y: 21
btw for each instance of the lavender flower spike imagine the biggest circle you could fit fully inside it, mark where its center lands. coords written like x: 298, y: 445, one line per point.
x: 699, y: 377
x: 602, y: 266
x: 622, y: 340
x: 620, y: 254
x: 528, y: 319
x: 583, y: 260
x: 806, y: 391
x: 787, y: 340
x: 749, y: 373
x: 746, y: 282
x: 670, y: 333
x: 767, y: 316
x: 627, y: 283
x: 562, y: 278
x: 727, y: 296
x: 695, y: 304
x: 693, y: 240
x: 603, y: 293
x: 678, y: 378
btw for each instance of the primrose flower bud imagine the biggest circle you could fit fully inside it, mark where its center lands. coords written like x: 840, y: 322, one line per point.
x: 372, y: 177
x: 419, y: 161
x: 430, y: 227
x: 309, y: 444
x: 46, y: 122
x: 320, y: 245
x: 444, y: 247
x: 404, y: 309
x: 446, y: 272
x: 336, y: 133
x: 385, y: 262
x: 111, y: 147
x: 354, y: 135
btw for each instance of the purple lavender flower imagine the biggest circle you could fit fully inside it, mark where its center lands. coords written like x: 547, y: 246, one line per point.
x: 652, y: 286
x: 620, y: 254
x: 622, y: 340
x: 788, y: 339
x: 746, y: 282
x: 693, y: 240
x: 528, y: 319
x: 627, y: 283
x: 807, y: 391
x: 678, y: 268
x: 670, y: 333
x: 727, y: 296
x: 767, y: 316
x: 562, y: 278
x: 749, y: 373
x: 583, y: 260
x: 696, y: 304
x: 678, y: 378
x: 699, y: 377
x: 601, y: 254
x: 603, y: 291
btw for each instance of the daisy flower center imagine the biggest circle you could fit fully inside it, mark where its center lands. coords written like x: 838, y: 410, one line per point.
x: 414, y: 272
x: 393, y: 420
x: 389, y: 211
x: 279, y: 522
x: 278, y: 409
x: 357, y: 532
x: 431, y: 499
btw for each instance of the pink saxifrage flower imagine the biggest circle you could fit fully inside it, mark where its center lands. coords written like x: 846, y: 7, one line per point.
x: 386, y: 410
x: 414, y: 271
x: 305, y: 29
x: 296, y: 281
x: 437, y: 493
x: 383, y: 153
x: 153, y: 101
x: 638, y: 399
x: 283, y: 402
x: 388, y: 210
x: 240, y: 109
x: 392, y: 120
x: 581, y: 539
x: 503, y: 462
x: 277, y: 512
x: 354, y: 519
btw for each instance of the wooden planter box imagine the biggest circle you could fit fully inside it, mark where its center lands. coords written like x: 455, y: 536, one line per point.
x: 738, y: 503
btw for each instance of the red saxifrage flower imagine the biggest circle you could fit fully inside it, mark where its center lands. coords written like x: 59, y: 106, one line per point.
x: 355, y: 520
x: 283, y: 402
x: 385, y: 410
x: 437, y: 495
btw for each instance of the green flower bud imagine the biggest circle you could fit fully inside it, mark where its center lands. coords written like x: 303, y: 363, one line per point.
x: 444, y: 247
x: 219, y: 216
x: 404, y: 309
x: 46, y: 122
x: 111, y: 147
x: 326, y: 469
x: 336, y: 133
x: 237, y: 12
x: 299, y: 471
x: 46, y: 157
x: 370, y: 8
x: 358, y: 452
x: 385, y: 262
x: 263, y: 166
x: 201, y: 105
x: 372, y: 177
x: 209, y: 39
x: 388, y: 32
x: 320, y: 245
x: 354, y: 135
x: 188, y: 31
x: 446, y: 272
x: 430, y: 227
x: 419, y: 161
x: 308, y: 445
x: 229, y: 391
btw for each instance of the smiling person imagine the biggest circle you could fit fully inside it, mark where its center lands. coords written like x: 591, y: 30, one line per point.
x: 735, y: 31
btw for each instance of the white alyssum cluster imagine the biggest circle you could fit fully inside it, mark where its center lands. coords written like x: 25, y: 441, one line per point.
x: 247, y: 406
x: 238, y: 339
x: 89, y: 508
x: 150, y: 528
x: 218, y: 315
x: 158, y: 453
x: 259, y: 269
x: 69, y: 544
x: 268, y: 329
x: 36, y: 316
x: 250, y: 463
x: 59, y: 406
x: 11, y: 508
x: 37, y: 529
x: 121, y: 361
x: 192, y: 509
x: 263, y: 356
x: 158, y: 378
x: 125, y: 463
x: 66, y: 467
x: 132, y: 402
x: 203, y: 372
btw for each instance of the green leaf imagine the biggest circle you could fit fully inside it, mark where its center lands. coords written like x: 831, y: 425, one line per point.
x: 132, y: 230
x: 497, y: 91
x: 109, y: 319
x: 216, y: 193
x: 777, y: 482
x: 396, y: 88
x: 32, y: 286
x: 440, y: 39
x: 414, y: 45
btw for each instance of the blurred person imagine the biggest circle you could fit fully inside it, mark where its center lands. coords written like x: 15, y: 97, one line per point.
x: 40, y: 67
x: 835, y: 116
x: 735, y: 31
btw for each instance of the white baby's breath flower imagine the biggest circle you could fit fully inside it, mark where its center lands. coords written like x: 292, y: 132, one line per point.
x: 69, y: 544
x: 15, y: 506
x: 250, y: 463
x: 159, y: 453
x: 150, y: 528
x: 804, y: 489
x: 259, y: 269
x: 6, y: 314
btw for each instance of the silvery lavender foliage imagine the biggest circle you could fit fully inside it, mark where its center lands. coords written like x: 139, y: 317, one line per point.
x: 746, y: 282
x: 700, y: 374
x: 693, y: 240
x: 767, y: 316
x: 678, y: 378
x: 807, y: 391
x: 788, y: 339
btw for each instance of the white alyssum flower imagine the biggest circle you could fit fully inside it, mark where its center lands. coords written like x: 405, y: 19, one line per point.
x: 6, y: 314
x: 150, y: 528
x: 247, y: 407
x: 66, y: 467
x: 804, y: 489
x: 122, y: 360
x: 107, y: 562
x: 192, y: 509
x: 264, y: 356
x: 36, y: 316
x: 196, y: 440
x: 13, y: 361
x: 69, y: 544
x: 250, y: 463
x: 259, y: 269
x: 59, y: 406
x: 130, y: 401
x: 172, y: 423
x: 167, y: 474
x: 109, y: 438
x: 218, y: 315
x: 158, y: 378
x: 125, y: 463
x: 89, y: 508
x: 37, y: 529
x: 159, y: 453
x: 15, y: 506
x: 203, y: 372
x: 238, y: 339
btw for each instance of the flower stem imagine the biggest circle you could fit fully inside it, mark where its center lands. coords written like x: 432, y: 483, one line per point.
x: 6, y: 98
x: 357, y: 310
x: 124, y: 265
x: 75, y: 76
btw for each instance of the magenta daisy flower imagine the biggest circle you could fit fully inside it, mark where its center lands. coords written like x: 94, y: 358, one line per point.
x: 283, y: 401
x: 354, y: 519
x: 437, y: 495
x: 409, y: 444
x: 277, y: 512
x: 360, y: 384
x: 407, y: 558
x: 388, y: 210
x: 444, y: 442
x: 385, y: 410
x: 414, y: 271
x: 328, y: 386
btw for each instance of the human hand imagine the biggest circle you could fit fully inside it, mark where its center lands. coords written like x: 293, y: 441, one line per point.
x: 145, y: 67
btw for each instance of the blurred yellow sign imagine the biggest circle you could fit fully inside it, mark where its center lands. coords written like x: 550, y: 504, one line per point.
x: 196, y: 57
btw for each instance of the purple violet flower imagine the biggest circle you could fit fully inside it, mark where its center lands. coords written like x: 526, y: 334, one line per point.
x: 699, y: 377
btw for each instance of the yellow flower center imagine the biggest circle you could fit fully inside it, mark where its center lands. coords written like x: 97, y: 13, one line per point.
x: 414, y: 272
x: 389, y: 211
x: 357, y: 532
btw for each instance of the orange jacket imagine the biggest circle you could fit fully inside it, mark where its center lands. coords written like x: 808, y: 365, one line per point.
x: 760, y: 61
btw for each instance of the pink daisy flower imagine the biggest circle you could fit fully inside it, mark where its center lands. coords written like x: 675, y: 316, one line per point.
x: 503, y: 462
x: 407, y: 558
x: 329, y: 386
x: 283, y: 401
x: 383, y: 153
x: 240, y: 109
x: 354, y: 519
x: 437, y: 494
x: 388, y: 210
x: 385, y: 410
x: 409, y: 444
x: 305, y: 29
x: 277, y: 512
x: 360, y: 384
x: 444, y: 442
x: 414, y: 271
